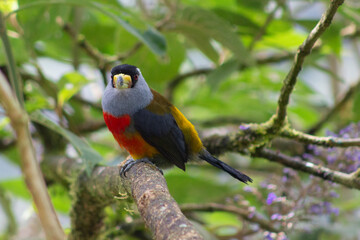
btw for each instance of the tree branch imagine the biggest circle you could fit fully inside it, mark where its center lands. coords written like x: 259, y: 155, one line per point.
x: 145, y: 183
x: 289, y: 83
x: 336, y: 108
x: 247, y: 142
x: 157, y: 207
x: 243, y: 213
x: 348, y: 180
x: 80, y: 40
x: 263, y: 28
x: 322, y: 141
x: 30, y: 168
x: 12, y: 73
x: 91, y: 194
x: 173, y: 83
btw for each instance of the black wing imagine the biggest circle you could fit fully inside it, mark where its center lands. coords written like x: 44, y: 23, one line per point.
x: 162, y: 132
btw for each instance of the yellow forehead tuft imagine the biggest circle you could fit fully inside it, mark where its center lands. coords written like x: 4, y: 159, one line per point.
x: 125, y: 77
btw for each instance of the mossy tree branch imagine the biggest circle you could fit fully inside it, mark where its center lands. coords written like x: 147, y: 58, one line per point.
x: 349, y: 180
x: 246, y: 142
x: 321, y: 141
x: 277, y: 122
x: 93, y: 193
x: 156, y: 206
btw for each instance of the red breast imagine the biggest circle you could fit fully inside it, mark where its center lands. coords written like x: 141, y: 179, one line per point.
x: 131, y: 141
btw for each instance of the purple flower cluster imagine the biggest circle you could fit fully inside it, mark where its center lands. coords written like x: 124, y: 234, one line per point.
x: 289, y: 198
x: 341, y: 159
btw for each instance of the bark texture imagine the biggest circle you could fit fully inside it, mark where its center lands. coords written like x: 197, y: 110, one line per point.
x: 157, y: 207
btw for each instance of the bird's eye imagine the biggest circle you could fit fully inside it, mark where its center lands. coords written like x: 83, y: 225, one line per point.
x: 136, y: 77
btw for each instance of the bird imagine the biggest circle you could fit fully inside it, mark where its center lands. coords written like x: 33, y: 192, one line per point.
x: 149, y: 127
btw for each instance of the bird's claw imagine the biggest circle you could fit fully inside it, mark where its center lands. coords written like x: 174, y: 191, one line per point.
x: 131, y: 162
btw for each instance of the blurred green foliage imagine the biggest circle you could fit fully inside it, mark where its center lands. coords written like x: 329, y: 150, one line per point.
x: 179, y: 37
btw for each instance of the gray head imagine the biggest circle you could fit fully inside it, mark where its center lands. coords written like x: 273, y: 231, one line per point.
x: 126, y: 92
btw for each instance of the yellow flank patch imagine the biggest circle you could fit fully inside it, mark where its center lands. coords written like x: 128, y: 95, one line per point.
x: 191, y: 136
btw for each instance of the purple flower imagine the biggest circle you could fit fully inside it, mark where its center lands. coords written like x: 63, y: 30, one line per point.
x: 307, y: 156
x: 276, y: 216
x: 316, y: 208
x: 327, y: 206
x: 264, y: 184
x: 351, y: 168
x: 331, y: 159
x: 244, y: 127
x: 248, y: 189
x: 330, y: 134
x: 270, y: 198
x: 348, y: 129
x: 334, y: 194
x: 267, y: 236
x: 251, y: 215
x: 335, y: 211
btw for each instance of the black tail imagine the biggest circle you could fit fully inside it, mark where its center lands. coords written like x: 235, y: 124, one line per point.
x: 205, y: 155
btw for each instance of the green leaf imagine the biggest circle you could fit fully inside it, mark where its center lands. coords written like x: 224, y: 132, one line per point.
x: 201, y: 41
x: 198, y: 21
x: 150, y: 37
x: 222, y: 72
x: 288, y: 40
x: 20, y: 55
x: 36, y: 98
x: 179, y: 186
x: 333, y: 39
x: 165, y: 70
x: 16, y: 187
x: 60, y: 198
x: 69, y: 85
x: 156, y: 41
x: 218, y: 218
x: 203, y: 231
x: 8, y: 5
x: 90, y: 157
x: 241, y: 21
x: 356, y: 107
x: 351, y: 13
x: 4, y: 131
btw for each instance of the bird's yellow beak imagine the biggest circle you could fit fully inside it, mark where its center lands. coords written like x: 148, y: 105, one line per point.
x: 122, y: 81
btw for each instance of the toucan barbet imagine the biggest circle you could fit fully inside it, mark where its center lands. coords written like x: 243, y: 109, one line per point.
x: 149, y: 127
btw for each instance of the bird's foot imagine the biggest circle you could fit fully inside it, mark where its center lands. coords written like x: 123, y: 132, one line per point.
x: 131, y: 162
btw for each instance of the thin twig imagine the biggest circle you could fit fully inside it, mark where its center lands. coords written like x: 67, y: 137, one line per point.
x: 129, y: 53
x: 12, y: 72
x: 173, y: 83
x: 289, y: 83
x: 322, y: 141
x: 336, y: 108
x: 94, y: 53
x: 261, y: 60
x: 243, y: 213
x: 348, y: 180
x: 33, y: 177
x: 263, y: 28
